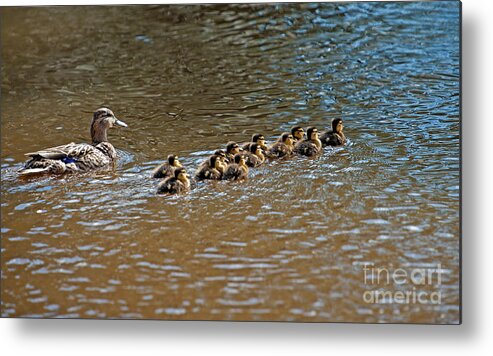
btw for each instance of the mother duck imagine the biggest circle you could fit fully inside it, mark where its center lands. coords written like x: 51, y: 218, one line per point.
x: 78, y: 157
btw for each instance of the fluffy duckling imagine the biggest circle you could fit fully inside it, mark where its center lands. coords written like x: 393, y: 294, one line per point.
x: 220, y: 153
x: 177, y: 184
x: 213, y: 170
x: 254, y: 156
x: 167, y: 169
x: 335, y: 137
x: 283, y: 147
x: 310, y: 146
x: 298, y: 134
x: 237, y: 170
x: 232, y: 149
x: 258, y: 139
x: 75, y: 157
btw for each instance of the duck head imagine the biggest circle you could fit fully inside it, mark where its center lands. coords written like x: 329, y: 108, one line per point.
x: 260, y: 140
x: 221, y: 155
x: 216, y: 162
x: 297, y: 132
x: 312, y: 133
x: 102, y: 120
x: 240, y: 160
x: 337, y: 125
x: 287, y: 139
x: 173, y: 161
x: 182, y: 176
x: 256, y: 150
x: 232, y: 148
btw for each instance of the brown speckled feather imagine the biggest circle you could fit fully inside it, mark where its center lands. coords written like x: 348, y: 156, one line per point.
x: 72, y: 157
x: 331, y: 138
x: 75, y: 157
x: 279, y: 150
x: 235, y: 172
x: 171, y: 185
x: 306, y: 148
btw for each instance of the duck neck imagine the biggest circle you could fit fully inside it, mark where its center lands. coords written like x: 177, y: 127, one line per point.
x: 99, y: 133
x: 317, y: 143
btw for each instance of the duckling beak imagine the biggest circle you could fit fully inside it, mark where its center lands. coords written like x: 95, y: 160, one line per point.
x: 120, y: 123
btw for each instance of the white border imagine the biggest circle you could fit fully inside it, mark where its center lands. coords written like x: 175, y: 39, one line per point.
x: 81, y: 337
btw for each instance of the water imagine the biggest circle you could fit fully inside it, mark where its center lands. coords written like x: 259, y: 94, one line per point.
x: 288, y: 244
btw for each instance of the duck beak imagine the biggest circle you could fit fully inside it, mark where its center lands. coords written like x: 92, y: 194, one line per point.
x: 120, y: 123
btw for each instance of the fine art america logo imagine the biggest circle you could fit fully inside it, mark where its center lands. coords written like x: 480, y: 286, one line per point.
x: 402, y: 285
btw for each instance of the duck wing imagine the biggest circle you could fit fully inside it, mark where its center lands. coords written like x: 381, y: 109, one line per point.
x: 72, y: 150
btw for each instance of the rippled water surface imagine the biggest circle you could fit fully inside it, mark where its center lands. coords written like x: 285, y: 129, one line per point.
x: 288, y: 244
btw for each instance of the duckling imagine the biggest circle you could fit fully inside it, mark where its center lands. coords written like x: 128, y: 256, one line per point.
x: 167, y: 169
x: 232, y: 148
x: 221, y: 154
x: 283, y: 147
x: 335, y: 137
x: 256, y: 138
x: 78, y: 157
x: 310, y: 146
x: 213, y: 170
x: 177, y: 184
x: 254, y: 156
x: 298, y: 134
x: 237, y: 170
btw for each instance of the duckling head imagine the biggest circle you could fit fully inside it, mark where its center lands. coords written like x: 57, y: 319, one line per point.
x: 232, y: 148
x: 312, y: 133
x: 297, y: 132
x: 220, y: 154
x: 239, y: 159
x: 102, y: 120
x: 256, y: 149
x: 173, y: 161
x: 215, y: 162
x: 287, y: 138
x: 181, y: 175
x: 337, y: 125
x: 260, y: 139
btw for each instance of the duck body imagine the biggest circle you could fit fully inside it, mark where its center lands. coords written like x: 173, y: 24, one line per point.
x: 167, y: 169
x: 252, y: 160
x: 331, y: 138
x: 310, y: 146
x: 213, y: 169
x: 307, y: 148
x: 253, y: 156
x: 172, y: 185
x: 334, y: 137
x: 279, y: 150
x: 237, y: 170
x: 177, y: 184
x: 207, y: 172
x: 164, y: 170
x: 283, y: 146
x: 70, y: 158
x: 77, y: 157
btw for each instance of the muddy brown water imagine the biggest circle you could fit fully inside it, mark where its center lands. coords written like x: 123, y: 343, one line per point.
x: 289, y: 244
